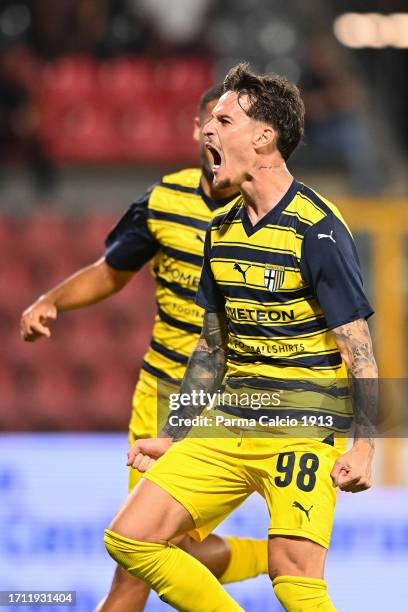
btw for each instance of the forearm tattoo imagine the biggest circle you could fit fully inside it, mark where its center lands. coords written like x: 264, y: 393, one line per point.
x: 354, y: 342
x: 205, y: 369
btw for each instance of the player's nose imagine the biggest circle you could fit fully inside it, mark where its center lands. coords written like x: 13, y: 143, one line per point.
x: 208, y: 129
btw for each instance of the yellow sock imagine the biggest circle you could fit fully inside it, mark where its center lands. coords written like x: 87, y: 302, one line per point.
x: 297, y: 594
x: 178, y: 578
x: 249, y: 558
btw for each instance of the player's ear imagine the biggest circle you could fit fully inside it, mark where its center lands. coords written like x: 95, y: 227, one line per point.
x: 197, y: 129
x: 265, y: 137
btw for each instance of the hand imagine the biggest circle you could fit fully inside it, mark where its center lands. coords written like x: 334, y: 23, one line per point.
x: 144, y: 452
x: 34, y: 318
x: 352, y: 471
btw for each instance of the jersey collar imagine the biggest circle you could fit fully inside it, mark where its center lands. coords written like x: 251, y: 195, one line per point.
x: 273, y: 214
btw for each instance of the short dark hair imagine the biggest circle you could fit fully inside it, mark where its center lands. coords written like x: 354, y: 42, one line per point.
x: 273, y: 100
x: 213, y: 93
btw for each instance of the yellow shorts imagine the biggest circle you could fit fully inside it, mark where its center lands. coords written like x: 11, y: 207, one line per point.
x: 212, y: 477
x: 143, y: 422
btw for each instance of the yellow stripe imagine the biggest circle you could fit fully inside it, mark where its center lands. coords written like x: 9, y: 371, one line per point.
x: 187, y: 204
x: 164, y: 363
x: 264, y: 304
x: 260, y: 370
x: 283, y: 228
x: 319, y: 210
x: 188, y: 177
x: 246, y: 261
x: 282, y: 340
x: 301, y: 206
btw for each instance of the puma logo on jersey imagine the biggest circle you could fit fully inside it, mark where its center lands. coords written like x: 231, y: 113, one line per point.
x: 200, y: 238
x: 330, y: 236
x: 296, y: 504
x: 239, y: 269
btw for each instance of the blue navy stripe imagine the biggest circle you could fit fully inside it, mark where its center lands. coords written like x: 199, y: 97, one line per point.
x: 187, y: 327
x: 196, y: 260
x: 263, y: 329
x: 154, y: 371
x: 233, y: 214
x: 176, y: 288
x: 288, y: 221
x: 176, y: 218
x: 243, y: 293
x: 303, y: 361
x: 170, y: 354
x: 245, y: 251
x: 176, y: 187
x: 214, y: 204
x: 341, y: 423
x: 299, y: 385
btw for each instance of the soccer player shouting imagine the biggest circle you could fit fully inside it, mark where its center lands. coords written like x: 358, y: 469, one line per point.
x: 284, y: 301
x: 167, y: 226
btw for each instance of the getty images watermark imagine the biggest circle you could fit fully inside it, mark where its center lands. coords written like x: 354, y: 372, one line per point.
x: 221, y: 400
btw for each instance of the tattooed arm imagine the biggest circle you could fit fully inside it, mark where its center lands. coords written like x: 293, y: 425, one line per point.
x: 205, y: 372
x: 352, y: 471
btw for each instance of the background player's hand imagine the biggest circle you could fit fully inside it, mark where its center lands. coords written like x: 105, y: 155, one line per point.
x: 352, y: 471
x: 33, y: 323
x: 144, y: 452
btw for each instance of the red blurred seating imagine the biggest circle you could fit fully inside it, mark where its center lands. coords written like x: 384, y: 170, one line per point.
x: 83, y: 376
x: 15, y: 283
x: 127, y: 79
x: 183, y: 78
x: 78, y: 130
x: 70, y: 77
x: 143, y: 132
x: 127, y: 109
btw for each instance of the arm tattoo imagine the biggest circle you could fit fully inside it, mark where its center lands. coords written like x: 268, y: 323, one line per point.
x: 205, y: 369
x: 354, y: 342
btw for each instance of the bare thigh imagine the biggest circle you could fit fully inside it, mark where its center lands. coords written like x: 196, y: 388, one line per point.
x: 293, y: 556
x: 150, y: 514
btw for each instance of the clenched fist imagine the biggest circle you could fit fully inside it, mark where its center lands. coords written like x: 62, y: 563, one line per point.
x: 33, y: 323
x: 352, y: 471
x: 144, y: 452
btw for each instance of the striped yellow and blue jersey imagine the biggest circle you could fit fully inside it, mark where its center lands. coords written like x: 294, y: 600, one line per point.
x: 284, y: 283
x: 167, y: 227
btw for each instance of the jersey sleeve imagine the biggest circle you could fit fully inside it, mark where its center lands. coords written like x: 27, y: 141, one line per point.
x: 209, y: 295
x: 331, y: 266
x: 130, y: 244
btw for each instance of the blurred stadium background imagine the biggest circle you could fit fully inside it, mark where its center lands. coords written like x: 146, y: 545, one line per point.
x: 97, y: 99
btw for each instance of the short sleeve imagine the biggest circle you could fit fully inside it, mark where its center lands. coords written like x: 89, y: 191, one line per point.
x: 209, y: 295
x: 130, y: 244
x: 331, y: 266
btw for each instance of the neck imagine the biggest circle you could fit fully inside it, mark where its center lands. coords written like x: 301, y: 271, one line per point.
x: 214, y: 193
x: 265, y: 187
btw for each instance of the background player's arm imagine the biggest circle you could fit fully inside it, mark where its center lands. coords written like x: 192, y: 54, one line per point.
x: 129, y: 245
x: 205, y: 370
x: 352, y: 471
x: 87, y: 286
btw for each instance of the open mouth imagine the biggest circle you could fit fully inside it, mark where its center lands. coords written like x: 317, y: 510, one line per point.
x: 215, y: 154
